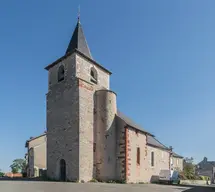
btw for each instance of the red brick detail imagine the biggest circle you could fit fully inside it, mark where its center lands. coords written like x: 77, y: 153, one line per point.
x: 127, y: 155
x: 84, y: 85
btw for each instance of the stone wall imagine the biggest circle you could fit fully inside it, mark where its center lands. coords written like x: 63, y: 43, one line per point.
x: 63, y: 121
x: 83, y: 68
x: 161, y: 161
x: 177, y: 163
x: 36, y: 141
x: 86, y: 125
x: 135, y: 172
x: 120, y: 150
x: 194, y: 182
x: 70, y: 118
x: 36, y: 154
x: 30, y: 171
x: 40, y: 156
x: 70, y: 69
x: 105, y: 128
x: 87, y: 163
x: 143, y: 171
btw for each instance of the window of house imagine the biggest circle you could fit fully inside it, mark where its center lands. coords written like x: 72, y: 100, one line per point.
x: 171, y: 161
x: 138, y: 155
x: 152, y: 159
x: 93, y: 75
x: 61, y: 73
x: 94, y: 147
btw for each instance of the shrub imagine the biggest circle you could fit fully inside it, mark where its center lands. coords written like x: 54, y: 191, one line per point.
x: 205, y: 178
x: 121, y: 181
x: 93, y: 180
x: 111, y: 181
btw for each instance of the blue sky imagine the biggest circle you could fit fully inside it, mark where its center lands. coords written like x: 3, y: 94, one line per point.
x: 161, y: 54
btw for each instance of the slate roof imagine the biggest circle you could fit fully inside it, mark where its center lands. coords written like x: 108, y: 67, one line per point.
x: 212, y: 162
x: 131, y: 123
x: 151, y: 140
x: 78, y: 44
x: 205, y: 167
x: 154, y: 142
x: 78, y: 41
x: 206, y: 162
x: 176, y: 155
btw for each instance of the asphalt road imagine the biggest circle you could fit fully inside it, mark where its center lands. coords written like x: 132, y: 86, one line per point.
x: 28, y: 186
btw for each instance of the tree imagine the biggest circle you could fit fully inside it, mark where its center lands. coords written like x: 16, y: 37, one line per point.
x: 1, y: 173
x: 19, y: 165
x: 189, y: 168
x: 189, y: 160
x: 189, y: 171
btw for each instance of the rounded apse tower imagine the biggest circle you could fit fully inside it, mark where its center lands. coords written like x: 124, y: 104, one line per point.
x: 105, y: 134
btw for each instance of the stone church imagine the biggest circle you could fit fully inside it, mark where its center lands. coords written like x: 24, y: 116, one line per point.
x: 87, y: 136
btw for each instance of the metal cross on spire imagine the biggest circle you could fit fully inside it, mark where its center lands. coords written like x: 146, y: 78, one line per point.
x: 79, y: 13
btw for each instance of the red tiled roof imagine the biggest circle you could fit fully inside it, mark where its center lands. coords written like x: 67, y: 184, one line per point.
x: 13, y: 174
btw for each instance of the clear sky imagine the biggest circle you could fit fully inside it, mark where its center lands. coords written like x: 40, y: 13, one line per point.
x: 161, y: 53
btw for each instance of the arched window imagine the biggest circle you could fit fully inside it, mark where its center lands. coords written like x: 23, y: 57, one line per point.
x: 61, y: 73
x: 62, y: 170
x: 94, y: 75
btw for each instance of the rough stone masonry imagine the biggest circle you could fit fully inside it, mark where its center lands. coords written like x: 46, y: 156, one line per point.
x: 87, y: 137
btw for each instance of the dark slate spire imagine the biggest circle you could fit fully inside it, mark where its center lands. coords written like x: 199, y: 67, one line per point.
x: 78, y: 41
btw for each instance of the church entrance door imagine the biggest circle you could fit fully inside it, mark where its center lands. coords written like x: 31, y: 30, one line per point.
x: 62, y: 170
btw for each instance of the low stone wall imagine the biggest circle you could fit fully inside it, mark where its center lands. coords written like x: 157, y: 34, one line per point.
x: 193, y: 182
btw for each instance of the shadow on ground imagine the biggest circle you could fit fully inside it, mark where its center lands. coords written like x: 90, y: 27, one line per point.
x: 195, y: 188
x: 20, y: 179
x: 176, y: 187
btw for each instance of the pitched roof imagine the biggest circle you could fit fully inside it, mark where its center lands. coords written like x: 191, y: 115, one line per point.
x: 176, y: 155
x: 78, y: 41
x: 81, y: 54
x: 78, y: 44
x: 151, y: 140
x: 130, y: 122
x: 206, y: 162
x: 33, y: 138
x: 212, y: 162
x: 154, y: 142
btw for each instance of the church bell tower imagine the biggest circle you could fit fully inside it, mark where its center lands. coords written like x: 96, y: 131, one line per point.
x: 73, y: 80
